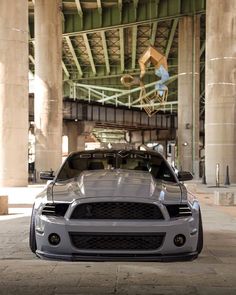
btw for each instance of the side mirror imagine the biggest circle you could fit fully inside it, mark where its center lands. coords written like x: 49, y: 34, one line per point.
x: 46, y: 175
x: 184, y: 176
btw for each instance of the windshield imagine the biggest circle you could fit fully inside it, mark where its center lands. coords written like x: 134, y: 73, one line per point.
x: 109, y: 160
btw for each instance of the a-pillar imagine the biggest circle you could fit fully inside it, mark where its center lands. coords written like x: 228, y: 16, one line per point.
x: 48, y: 85
x: 220, y: 107
x: 188, y: 93
x: 13, y: 92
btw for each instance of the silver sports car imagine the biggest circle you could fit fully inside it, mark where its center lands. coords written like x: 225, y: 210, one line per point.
x: 117, y: 205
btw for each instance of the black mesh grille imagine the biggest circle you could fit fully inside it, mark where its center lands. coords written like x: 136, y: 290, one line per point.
x: 92, y: 241
x: 181, y: 210
x: 117, y: 210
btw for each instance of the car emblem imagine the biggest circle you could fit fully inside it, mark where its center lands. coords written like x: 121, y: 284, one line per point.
x: 89, y: 211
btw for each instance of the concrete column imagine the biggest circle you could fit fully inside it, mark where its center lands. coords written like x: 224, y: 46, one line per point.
x: 13, y: 92
x: 81, y: 142
x: 85, y: 128
x: 188, y: 93
x: 48, y: 84
x: 220, y: 108
x: 72, y: 133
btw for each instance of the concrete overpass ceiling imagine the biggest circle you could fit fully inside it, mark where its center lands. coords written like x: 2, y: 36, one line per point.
x: 103, y: 39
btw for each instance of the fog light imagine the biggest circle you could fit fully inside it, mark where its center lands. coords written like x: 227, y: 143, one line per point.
x: 54, y: 239
x: 179, y: 240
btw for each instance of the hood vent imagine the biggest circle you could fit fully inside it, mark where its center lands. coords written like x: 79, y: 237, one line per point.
x: 181, y: 210
x: 55, y: 209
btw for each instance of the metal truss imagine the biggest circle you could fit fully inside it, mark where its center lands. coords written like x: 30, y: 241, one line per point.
x: 103, y: 39
x: 120, y: 97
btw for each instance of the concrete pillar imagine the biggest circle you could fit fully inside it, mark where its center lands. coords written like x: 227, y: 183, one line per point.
x: 72, y: 133
x: 3, y: 205
x: 220, y: 107
x: 188, y: 93
x: 48, y: 84
x: 85, y: 128
x: 81, y: 142
x: 13, y: 92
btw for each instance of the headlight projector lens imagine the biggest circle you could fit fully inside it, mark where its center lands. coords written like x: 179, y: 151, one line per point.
x: 54, y: 239
x: 179, y: 240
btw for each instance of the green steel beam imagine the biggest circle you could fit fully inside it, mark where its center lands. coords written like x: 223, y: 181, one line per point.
x: 171, y: 37
x: 98, y: 93
x: 157, y: 7
x: 122, y: 50
x: 90, y: 91
x: 117, y: 73
x: 135, y: 8
x: 202, y: 67
x: 114, y: 27
x: 202, y: 48
x: 65, y: 69
x: 104, y: 44
x: 101, y: 130
x: 134, y: 45
x: 162, y: 105
x: 89, y: 53
x: 99, y: 87
x: 80, y: 12
x: 153, y: 34
x: 29, y: 33
x: 120, y: 6
x: 171, y: 80
x: 74, y: 55
x: 99, y: 4
x: 127, y: 92
x: 79, y: 8
x: 32, y: 59
x: 148, y: 12
x: 63, y: 21
x: 86, y: 91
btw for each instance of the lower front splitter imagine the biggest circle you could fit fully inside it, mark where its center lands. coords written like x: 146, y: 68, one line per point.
x: 119, y: 257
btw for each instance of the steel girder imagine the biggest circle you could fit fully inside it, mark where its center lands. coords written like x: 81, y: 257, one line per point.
x: 103, y: 39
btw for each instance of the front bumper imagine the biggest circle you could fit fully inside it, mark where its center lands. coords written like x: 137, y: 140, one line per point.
x: 167, y: 251
x: 120, y: 257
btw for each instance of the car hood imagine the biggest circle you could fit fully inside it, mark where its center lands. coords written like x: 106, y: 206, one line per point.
x: 115, y: 184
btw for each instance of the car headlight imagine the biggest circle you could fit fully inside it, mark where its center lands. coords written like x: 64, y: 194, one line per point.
x: 191, y: 198
x: 39, y: 224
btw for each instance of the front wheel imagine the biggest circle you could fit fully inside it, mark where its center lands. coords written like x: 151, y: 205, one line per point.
x: 32, y: 237
x: 200, y: 234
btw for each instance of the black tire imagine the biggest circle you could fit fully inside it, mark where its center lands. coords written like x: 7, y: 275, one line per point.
x: 32, y: 237
x: 200, y: 234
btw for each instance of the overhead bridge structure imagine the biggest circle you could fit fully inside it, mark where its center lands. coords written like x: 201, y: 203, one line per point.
x: 81, y: 48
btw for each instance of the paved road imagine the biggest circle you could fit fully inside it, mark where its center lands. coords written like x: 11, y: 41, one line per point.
x: 214, y: 272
